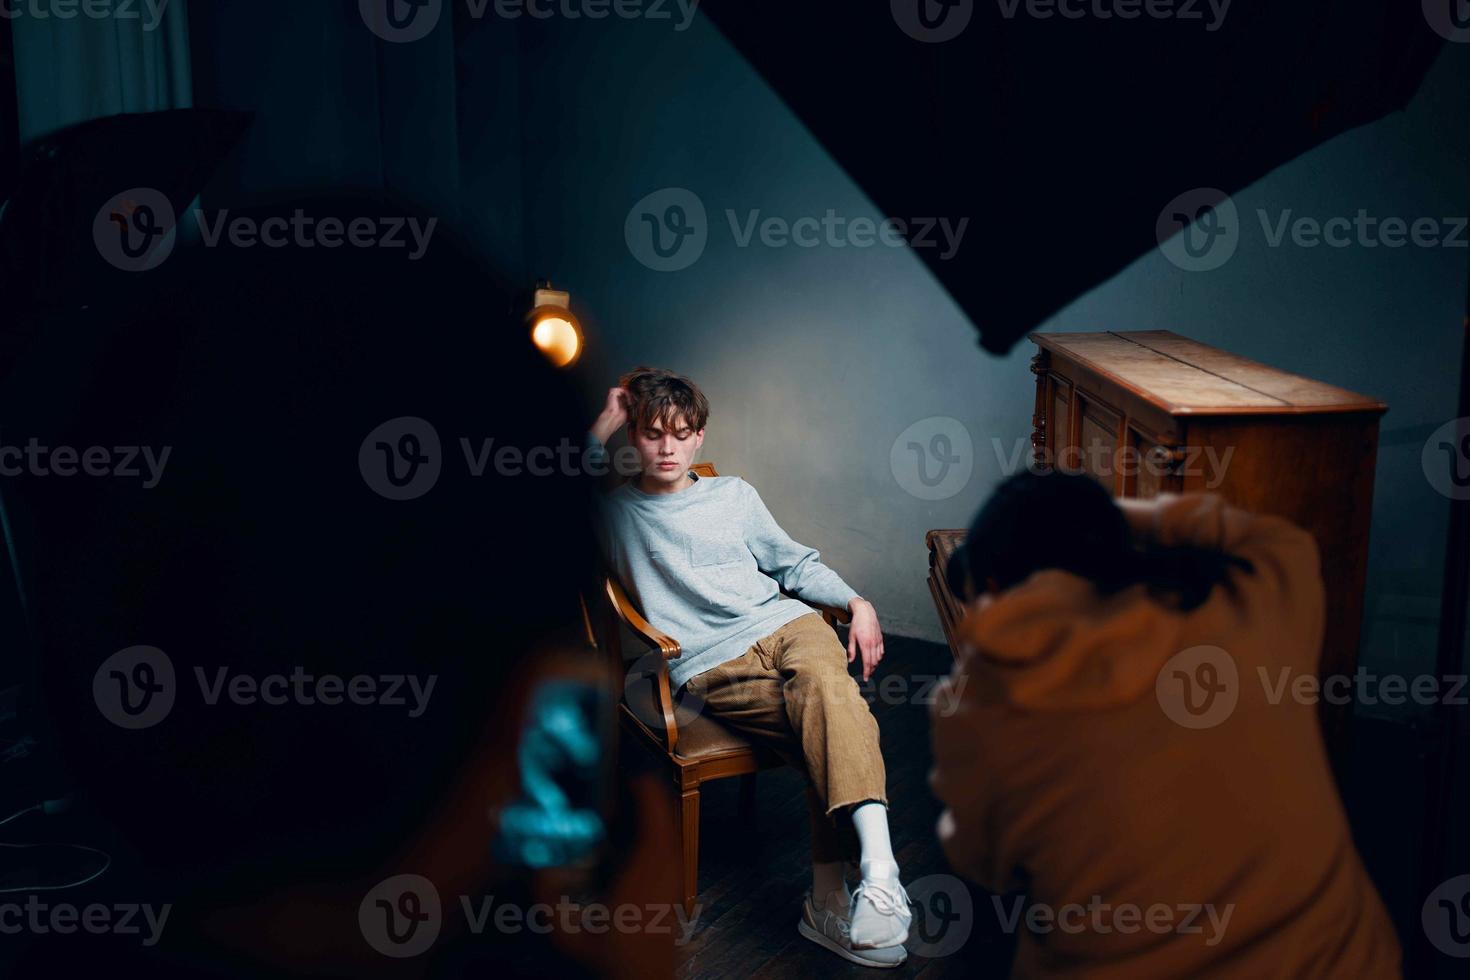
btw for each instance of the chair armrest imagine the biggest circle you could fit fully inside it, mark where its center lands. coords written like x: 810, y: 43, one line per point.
x: 634, y: 620
x: 832, y: 614
x: 667, y: 646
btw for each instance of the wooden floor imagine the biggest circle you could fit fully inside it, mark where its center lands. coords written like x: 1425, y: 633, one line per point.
x: 752, y: 878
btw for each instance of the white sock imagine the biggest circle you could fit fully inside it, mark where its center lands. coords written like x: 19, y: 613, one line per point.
x: 827, y: 878
x: 870, y: 820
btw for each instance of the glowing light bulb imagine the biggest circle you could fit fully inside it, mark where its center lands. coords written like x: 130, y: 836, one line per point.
x: 558, y: 338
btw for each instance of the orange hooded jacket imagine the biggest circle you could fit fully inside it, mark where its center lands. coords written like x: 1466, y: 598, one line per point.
x: 1147, y: 778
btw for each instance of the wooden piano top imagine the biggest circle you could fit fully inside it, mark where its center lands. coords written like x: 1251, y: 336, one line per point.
x: 1184, y: 377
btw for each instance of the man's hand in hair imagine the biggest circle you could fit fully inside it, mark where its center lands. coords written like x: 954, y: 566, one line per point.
x: 614, y: 415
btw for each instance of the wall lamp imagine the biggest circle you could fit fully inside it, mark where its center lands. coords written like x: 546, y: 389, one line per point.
x: 554, y: 330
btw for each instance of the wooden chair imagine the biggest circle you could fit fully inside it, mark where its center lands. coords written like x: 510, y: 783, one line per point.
x: 942, y: 543
x: 698, y: 749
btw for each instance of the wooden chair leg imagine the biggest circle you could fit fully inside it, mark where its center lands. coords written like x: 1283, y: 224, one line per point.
x: 688, y: 823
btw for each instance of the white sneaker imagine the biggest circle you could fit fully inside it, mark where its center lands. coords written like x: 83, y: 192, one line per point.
x: 831, y: 928
x: 880, y: 914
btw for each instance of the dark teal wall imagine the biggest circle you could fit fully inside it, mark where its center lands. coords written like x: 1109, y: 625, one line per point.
x: 814, y: 359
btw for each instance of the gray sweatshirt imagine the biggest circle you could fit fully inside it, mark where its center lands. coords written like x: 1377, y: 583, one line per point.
x: 704, y: 564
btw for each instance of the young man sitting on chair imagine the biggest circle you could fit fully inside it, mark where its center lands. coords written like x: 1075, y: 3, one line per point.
x: 706, y: 562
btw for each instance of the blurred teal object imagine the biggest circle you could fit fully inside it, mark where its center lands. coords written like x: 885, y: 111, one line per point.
x: 556, y: 821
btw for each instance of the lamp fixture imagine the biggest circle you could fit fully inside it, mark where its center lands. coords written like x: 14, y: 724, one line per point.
x: 554, y: 330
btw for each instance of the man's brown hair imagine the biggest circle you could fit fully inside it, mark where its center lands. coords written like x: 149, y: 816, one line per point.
x: 661, y: 396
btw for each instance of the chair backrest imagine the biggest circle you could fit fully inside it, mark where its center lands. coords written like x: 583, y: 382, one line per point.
x: 703, y: 469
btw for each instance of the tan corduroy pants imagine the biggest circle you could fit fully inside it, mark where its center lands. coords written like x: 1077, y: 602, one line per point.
x: 792, y: 691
